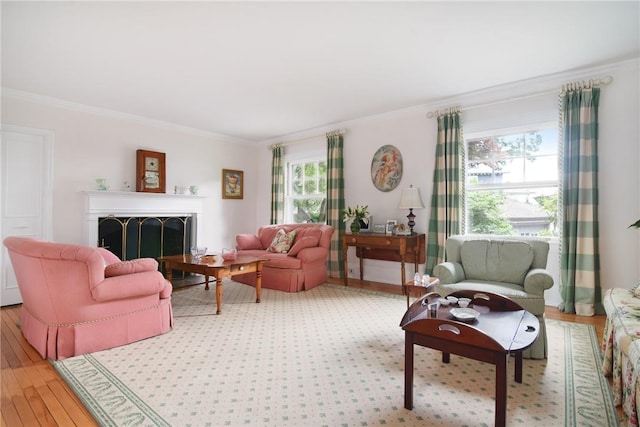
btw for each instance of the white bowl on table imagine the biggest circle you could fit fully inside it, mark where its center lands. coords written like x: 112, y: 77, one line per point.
x: 464, y: 302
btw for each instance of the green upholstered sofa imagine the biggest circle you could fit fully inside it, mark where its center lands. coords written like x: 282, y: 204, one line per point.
x: 511, y: 266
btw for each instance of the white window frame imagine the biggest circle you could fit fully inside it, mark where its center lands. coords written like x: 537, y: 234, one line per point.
x: 289, y: 197
x: 525, y: 128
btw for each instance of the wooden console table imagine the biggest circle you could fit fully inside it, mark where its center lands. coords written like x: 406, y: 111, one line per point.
x: 384, y: 247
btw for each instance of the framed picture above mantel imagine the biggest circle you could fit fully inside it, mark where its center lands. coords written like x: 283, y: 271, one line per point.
x: 150, y: 171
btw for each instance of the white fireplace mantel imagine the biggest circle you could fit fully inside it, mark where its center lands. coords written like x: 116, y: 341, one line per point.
x: 101, y: 204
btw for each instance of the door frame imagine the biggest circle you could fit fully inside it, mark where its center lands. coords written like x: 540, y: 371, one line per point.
x: 48, y: 138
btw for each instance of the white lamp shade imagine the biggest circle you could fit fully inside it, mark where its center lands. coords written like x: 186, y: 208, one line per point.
x: 410, y: 199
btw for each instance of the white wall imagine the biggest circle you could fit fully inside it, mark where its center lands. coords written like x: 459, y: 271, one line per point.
x: 414, y: 134
x: 91, y: 145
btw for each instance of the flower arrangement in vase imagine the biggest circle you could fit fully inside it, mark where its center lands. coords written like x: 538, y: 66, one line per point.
x: 355, y: 215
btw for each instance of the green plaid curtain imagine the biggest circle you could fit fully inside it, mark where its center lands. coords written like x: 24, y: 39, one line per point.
x: 579, y: 254
x: 277, y: 185
x: 447, y: 198
x: 335, y: 201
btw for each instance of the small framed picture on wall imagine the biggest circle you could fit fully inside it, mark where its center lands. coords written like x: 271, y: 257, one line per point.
x: 232, y: 184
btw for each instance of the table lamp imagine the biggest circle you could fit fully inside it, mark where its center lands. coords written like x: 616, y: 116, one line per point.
x: 410, y: 199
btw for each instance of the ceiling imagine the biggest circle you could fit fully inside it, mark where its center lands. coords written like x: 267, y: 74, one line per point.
x: 256, y: 71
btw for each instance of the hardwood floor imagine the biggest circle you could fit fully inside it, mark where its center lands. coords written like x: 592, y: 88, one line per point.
x: 34, y: 394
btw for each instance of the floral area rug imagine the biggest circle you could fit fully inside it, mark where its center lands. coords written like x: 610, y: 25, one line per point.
x: 331, y: 356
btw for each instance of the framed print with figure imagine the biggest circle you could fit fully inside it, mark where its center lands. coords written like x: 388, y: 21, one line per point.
x: 386, y: 168
x: 150, y: 171
x: 232, y: 184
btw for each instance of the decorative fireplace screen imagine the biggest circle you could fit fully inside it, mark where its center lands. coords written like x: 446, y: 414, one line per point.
x: 140, y: 237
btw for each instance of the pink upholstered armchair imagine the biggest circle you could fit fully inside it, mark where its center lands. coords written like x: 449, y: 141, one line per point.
x: 79, y: 299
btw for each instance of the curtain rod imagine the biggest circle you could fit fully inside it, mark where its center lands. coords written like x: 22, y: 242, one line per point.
x: 295, y: 141
x: 584, y: 83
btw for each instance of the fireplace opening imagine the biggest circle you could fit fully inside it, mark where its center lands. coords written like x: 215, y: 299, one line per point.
x: 145, y: 237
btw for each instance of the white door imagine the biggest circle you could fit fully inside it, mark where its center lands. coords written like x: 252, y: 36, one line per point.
x: 26, y: 158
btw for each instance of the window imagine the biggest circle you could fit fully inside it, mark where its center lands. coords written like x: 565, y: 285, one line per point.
x: 306, y: 192
x: 512, y: 182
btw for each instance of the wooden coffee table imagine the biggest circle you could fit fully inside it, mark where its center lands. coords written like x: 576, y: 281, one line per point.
x: 503, y: 328
x: 214, y: 265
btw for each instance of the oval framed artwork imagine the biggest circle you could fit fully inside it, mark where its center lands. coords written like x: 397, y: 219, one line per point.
x: 386, y: 168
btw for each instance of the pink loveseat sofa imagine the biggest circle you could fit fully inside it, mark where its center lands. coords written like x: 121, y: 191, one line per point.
x: 302, y: 267
x: 79, y: 299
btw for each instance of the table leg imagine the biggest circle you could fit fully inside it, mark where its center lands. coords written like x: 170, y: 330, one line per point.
x: 345, y: 262
x: 206, y: 282
x: 407, y: 290
x: 416, y: 252
x: 362, y: 265
x: 258, y: 281
x: 408, y: 370
x: 501, y: 391
x: 168, y: 271
x: 518, y: 374
x: 218, y: 294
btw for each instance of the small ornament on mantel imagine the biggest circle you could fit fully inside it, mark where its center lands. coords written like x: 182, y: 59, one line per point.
x: 102, y: 184
x: 126, y: 186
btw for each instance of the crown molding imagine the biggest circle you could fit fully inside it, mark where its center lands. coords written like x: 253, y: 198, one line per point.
x: 532, y: 86
x: 522, y: 88
x: 491, y: 94
x: 104, y: 112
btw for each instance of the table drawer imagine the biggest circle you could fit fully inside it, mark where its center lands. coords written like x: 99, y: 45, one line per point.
x: 374, y: 242
x: 241, y: 269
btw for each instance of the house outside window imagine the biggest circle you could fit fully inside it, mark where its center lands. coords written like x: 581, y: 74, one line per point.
x: 306, y: 192
x: 512, y: 181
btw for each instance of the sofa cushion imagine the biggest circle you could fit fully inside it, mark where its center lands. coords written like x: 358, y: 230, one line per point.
x: 267, y: 233
x: 248, y: 241
x: 129, y: 267
x: 282, y: 241
x: 308, y: 232
x: 301, y: 243
x: 275, y: 260
x: 498, y: 261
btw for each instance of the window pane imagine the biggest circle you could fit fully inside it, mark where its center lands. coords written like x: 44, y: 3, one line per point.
x: 308, y: 210
x: 310, y: 170
x: 513, y: 145
x: 485, y: 154
x: 514, y: 158
x: 322, y: 169
x: 297, y: 187
x: 297, y: 172
x: 549, y: 142
x: 542, y: 168
x: 525, y: 212
x: 310, y: 187
x: 322, y: 185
